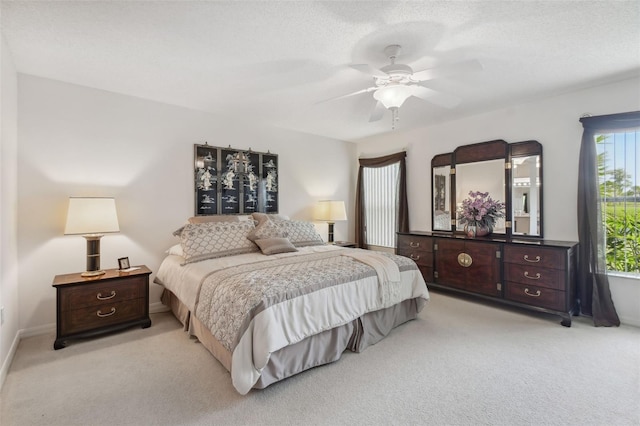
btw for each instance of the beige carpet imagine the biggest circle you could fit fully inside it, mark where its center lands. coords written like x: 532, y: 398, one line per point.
x: 461, y: 362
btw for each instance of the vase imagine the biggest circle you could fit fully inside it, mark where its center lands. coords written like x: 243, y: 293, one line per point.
x: 473, y: 231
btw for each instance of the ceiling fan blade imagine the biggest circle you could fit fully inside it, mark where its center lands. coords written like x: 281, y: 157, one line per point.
x: 435, y: 97
x: 368, y: 89
x: 369, y: 70
x: 447, y: 70
x: 378, y: 112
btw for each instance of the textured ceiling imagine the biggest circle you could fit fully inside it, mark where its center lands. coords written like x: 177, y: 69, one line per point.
x: 274, y: 62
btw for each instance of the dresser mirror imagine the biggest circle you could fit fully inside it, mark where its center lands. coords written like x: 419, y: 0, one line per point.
x: 509, y: 172
x: 484, y: 176
x: 441, y: 198
x: 526, y: 188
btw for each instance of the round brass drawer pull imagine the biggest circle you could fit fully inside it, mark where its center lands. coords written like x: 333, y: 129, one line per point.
x: 412, y: 257
x: 537, y: 277
x: 101, y: 297
x: 464, y: 260
x: 536, y: 260
x: 101, y: 315
x: 414, y: 245
x: 526, y: 291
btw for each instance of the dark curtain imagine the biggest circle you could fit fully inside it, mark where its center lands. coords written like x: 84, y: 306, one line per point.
x: 401, y: 203
x: 593, y: 284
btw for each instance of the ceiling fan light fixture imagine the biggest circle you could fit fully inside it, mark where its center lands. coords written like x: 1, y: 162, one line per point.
x: 392, y: 96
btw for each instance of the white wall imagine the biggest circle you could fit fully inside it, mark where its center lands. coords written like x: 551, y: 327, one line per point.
x: 8, y: 208
x: 79, y: 141
x: 554, y: 123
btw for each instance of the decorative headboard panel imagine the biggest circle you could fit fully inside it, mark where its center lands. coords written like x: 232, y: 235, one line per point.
x: 234, y: 181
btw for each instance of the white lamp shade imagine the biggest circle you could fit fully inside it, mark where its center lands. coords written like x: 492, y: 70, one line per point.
x: 392, y: 96
x: 91, y: 215
x: 331, y: 211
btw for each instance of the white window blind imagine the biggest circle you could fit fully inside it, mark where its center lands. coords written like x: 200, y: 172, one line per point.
x: 380, y: 187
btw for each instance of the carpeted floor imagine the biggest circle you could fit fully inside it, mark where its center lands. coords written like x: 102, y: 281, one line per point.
x: 461, y: 363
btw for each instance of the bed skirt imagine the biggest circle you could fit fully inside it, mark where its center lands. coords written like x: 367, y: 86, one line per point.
x: 316, y: 350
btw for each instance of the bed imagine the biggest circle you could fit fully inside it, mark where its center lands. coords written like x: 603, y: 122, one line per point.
x: 268, y: 313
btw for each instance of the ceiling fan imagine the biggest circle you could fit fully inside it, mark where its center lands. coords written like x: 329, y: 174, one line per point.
x: 395, y: 83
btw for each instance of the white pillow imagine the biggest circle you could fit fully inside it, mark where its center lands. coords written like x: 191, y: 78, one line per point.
x: 175, y: 250
x: 210, y: 240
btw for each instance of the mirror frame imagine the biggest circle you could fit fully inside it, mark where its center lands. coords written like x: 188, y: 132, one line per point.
x: 485, y: 151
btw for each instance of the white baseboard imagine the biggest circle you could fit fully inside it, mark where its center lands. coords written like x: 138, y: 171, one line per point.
x: 7, y: 362
x: 634, y: 322
x: 154, y: 308
x: 158, y: 307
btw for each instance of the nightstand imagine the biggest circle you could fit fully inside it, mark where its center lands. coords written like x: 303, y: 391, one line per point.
x: 95, y: 305
x: 344, y: 244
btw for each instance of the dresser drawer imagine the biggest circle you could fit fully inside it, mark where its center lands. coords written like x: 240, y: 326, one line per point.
x: 419, y: 249
x: 536, y: 296
x: 534, y: 275
x: 105, y: 314
x: 111, y: 291
x: 535, y: 256
x: 410, y: 243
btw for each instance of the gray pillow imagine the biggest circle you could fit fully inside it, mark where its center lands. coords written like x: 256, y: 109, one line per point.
x: 275, y: 245
x: 266, y: 229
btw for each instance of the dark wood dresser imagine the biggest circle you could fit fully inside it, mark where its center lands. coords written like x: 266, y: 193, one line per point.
x: 96, y: 305
x: 534, y: 274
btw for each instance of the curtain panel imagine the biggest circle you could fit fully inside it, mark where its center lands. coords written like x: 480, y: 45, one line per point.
x: 402, y: 207
x: 593, y: 289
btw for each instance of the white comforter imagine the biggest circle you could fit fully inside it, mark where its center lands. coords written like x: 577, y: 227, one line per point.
x: 289, y: 322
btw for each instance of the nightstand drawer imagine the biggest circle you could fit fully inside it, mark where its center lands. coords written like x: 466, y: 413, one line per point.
x: 111, y: 301
x: 105, y: 314
x: 111, y: 291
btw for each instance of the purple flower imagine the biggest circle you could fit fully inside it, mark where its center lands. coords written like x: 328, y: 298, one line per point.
x: 480, y: 210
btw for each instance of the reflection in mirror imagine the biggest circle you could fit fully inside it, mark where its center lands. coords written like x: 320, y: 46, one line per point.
x: 483, y: 176
x: 525, y: 195
x: 441, y: 199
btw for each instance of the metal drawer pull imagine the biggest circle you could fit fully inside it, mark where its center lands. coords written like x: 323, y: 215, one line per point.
x: 100, y: 297
x: 526, y: 291
x: 464, y: 260
x: 101, y: 315
x: 538, y: 259
x: 412, y: 257
x: 537, y: 277
x: 414, y: 245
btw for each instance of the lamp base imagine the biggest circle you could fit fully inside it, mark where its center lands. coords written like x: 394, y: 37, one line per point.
x: 330, y: 233
x: 91, y: 273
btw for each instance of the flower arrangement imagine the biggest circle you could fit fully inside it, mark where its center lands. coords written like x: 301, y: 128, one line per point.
x: 480, y: 210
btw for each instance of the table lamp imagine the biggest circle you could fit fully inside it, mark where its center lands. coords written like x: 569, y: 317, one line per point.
x: 330, y: 212
x: 92, y: 217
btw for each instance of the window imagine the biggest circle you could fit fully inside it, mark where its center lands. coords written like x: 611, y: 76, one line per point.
x: 619, y: 185
x: 380, y: 200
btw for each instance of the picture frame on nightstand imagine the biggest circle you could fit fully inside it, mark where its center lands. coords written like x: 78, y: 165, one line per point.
x: 123, y: 263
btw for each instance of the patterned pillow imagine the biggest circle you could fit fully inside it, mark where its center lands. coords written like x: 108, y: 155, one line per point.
x: 275, y: 245
x: 210, y: 240
x: 301, y: 233
x: 266, y: 229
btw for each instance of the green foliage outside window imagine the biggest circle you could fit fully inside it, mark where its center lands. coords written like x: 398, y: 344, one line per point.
x: 621, y: 215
